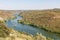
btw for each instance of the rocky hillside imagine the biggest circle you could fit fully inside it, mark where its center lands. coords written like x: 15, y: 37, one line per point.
x: 47, y: 19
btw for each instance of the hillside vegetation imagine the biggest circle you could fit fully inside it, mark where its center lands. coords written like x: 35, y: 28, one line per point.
x: 7, y: 14
x: 46, y: 19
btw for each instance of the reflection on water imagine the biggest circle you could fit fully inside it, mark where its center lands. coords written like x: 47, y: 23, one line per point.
x: 30, y: 29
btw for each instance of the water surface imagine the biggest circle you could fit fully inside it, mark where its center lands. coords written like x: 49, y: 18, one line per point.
x: 30, y: 29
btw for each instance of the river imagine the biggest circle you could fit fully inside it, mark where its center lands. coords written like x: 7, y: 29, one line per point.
x: 30, y: 29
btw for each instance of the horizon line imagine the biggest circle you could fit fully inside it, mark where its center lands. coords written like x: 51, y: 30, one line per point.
x: 31, y: 9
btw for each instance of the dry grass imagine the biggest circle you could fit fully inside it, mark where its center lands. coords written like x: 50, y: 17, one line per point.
x: 6, y: 14
x: 47, y: 19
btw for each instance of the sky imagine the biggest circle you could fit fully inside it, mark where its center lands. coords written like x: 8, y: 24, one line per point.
x: 29, y: 4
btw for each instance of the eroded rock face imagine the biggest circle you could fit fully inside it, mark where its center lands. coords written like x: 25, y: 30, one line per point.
x: 1, y: 19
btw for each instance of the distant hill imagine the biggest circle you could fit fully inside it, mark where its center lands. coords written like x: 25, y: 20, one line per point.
x: 6, y: 14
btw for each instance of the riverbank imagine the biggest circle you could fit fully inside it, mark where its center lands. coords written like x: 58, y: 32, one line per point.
x: 11, y: 34
x: 46, y: 19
